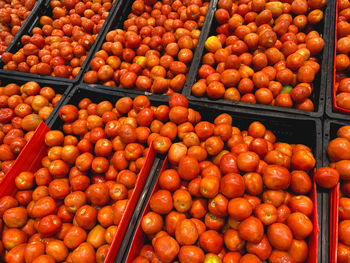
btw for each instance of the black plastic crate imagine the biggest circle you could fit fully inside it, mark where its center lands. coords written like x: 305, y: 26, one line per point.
x: 320, y: 84
x: 29, y: 20
x: 291, y: 129
x: 122, y: 10
x: 61, y: 88
x: 330, y: 112
x: 46, y: 10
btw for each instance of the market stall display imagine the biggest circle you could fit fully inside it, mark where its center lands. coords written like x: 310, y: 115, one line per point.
x: 174, y: 131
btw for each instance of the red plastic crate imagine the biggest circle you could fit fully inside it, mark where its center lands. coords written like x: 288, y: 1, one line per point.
x: 27, y: 161
x: 335, y: 106
x: 334, y: 222
x: 139, y: 237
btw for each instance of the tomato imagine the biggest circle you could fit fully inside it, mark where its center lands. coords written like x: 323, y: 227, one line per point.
x: 84, y: 252
x: 280, y: 256
x: 68, y: 113
x: 300, y: 225
x: 218, y: 205
x: 85, y: 217
x: 251, y: 230
x: 96, y: 236
x: 247, y: 161
x: 301, y: 203
x: 186, y: 232
x: 166, y: 248
x: 209, y: 186
x: 327, y: 177
x: 211, y: 241
x: 13, y: 237
x: 300, y: 182
x: 169, y: 180
x: 75, y: 200
x: 262, y: 249
x: 161, y: 202
x: 16, y: 254
x: 342, y: 252
x: 239, y: 208
x: 228, y: 163
x: 43, y: 207
x: 191, y: 254
x: 15, y: 217
x: 49, y: 225
x: 298, y: 250
x: 152, y: 223
x: 59, y: 188
x: 232, y: 185
x: 57, y: 250
x: 343, y: 208
x: 232, y: 240
x: 276, y: 177
x: 188, y: 168
x: 97, y: 194
x: 102, y: 253
x: 280, y: 236
x: 74, y: 237
x: 161, y: 144
x: 33, y: 250
x: 24, y: 181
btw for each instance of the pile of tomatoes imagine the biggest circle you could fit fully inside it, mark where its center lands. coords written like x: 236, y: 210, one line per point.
x: 264, y: 52
x: 22, y: 108
x: 59, y: 45
x: 230, y: 196
x: 339, y: 168
x: 154, y: 50
x: 69, y: 209
x: 342, y: 61
x: 13, y: 14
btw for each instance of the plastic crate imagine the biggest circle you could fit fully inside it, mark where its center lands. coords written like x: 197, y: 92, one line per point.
x: 120, y: 14
x: 320, y: 84
x: 291, y: 129
x: 330, y: 132
x: 27, y: 161
x: 139, y: 238
x: 46, y: 10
